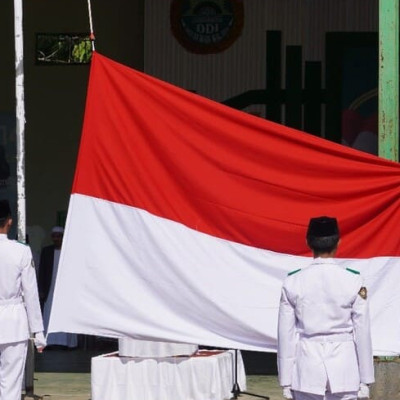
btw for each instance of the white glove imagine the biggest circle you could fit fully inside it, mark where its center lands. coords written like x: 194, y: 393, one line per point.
x: 287, y: 392
x: 363, y: 392
x: 40, y: 341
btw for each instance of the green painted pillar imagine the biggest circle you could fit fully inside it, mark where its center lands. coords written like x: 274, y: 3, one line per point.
x: 389, y: 79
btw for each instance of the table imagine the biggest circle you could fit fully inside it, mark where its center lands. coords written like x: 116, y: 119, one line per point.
x: 206, y: 375
x: 129, y: 347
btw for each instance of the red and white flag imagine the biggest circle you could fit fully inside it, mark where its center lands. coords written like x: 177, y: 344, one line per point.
x: 186, y: 215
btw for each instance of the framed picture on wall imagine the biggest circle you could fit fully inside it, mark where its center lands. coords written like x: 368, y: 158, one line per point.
x: 63, y: 49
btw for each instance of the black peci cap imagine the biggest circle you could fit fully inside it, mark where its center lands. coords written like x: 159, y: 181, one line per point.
x: 5, y: 210
x: 322, y: 227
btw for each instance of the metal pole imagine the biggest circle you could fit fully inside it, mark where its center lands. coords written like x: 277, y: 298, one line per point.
x: 389, y: 79
x: 20, y: 118
x: 92, y: 37
x: 20, y: 132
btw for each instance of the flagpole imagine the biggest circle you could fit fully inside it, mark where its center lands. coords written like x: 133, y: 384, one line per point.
x: 20, y: 133
x: 20, y: 119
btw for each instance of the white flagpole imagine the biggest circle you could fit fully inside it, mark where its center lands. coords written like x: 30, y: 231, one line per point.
x: 20, y: 131
x: 20, y: 118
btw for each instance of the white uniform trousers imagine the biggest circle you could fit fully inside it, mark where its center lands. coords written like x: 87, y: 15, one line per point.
x: 328, y: 396
x: 12, y: 365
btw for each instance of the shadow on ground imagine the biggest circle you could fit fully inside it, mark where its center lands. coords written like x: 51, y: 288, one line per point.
x: 78, y: 360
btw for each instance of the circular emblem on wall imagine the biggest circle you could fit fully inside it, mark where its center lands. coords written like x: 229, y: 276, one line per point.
x: 206, y: 26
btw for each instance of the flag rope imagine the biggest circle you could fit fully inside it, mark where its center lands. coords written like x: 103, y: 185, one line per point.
x: 92, y: 37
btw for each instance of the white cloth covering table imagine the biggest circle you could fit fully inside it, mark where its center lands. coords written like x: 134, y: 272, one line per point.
x: 207, y: 375
x: 128, y: 347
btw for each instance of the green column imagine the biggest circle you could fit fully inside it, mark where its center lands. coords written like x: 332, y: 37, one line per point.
x: 389, y: 79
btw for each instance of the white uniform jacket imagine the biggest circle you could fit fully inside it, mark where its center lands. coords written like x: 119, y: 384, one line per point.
x: 20, y: 312
x: 324, y: 336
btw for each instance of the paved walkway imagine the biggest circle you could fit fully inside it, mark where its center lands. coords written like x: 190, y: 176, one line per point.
x: 76, y: 386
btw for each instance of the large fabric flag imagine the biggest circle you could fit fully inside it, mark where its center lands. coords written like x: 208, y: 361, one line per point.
x: 186, y: 215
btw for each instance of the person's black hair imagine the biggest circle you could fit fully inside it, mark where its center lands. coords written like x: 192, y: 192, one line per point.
x: 323, y: 244
x: 4, y: 220
x: 5, y: 212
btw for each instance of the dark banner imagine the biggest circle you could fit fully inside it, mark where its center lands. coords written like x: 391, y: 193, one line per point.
x: 8, y: 164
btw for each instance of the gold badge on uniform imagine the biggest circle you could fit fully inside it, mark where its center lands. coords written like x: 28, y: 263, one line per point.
x: 363, y: 292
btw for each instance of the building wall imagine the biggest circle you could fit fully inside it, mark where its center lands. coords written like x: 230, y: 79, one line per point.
x: 242, y: 66
x: 55, y: 95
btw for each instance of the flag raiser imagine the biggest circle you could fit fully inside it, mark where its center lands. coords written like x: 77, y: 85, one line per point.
x: 185, y: 216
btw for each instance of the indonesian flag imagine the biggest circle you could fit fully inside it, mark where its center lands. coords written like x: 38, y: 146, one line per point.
x: 186, y: 215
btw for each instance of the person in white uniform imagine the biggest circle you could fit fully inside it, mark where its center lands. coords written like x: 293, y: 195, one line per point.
x: 324, y: 340
x: 20, y: 314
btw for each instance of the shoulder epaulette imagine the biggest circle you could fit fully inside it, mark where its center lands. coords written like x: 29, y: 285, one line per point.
x: 293, y: 272
x: 353, y: 271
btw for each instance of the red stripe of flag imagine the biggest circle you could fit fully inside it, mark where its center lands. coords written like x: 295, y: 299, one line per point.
x: 177, y: 155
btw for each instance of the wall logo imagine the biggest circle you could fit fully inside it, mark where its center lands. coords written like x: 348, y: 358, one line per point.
x: 206, y: 26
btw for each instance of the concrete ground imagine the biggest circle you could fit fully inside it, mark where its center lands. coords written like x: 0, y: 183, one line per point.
x: 76, y: 386
x: 65, y: 374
